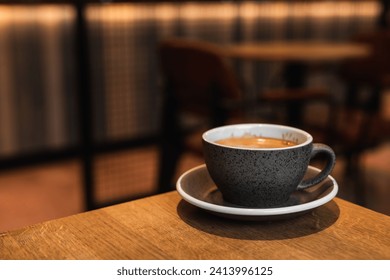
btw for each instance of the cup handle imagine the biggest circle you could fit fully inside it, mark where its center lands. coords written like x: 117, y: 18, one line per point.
x: 331, y: 160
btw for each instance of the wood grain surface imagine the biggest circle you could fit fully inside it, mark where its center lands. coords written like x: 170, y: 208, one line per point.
x: 166, y: 227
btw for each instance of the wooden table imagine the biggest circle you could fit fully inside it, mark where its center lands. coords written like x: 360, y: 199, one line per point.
x: 297, y: 56
x: 295, y: 51
x: 166, y: 227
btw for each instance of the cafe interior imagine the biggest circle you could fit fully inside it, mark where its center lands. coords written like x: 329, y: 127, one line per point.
x: 103, y: 102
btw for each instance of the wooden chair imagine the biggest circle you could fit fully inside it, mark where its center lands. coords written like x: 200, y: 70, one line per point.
x: 200, y: 91
x: 357, y: 123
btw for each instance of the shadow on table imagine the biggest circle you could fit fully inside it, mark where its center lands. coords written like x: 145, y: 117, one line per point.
x: 309, y: 223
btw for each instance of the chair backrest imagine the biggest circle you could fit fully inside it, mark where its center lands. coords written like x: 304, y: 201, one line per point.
x: 197, y: 77
x: 374, y: 69
x: 360, y: 117
x: 372, y: 72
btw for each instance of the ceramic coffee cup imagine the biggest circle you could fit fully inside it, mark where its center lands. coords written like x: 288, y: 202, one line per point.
x: 262, y: 176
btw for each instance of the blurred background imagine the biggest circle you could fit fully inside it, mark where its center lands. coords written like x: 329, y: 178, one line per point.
x: 81, y: 94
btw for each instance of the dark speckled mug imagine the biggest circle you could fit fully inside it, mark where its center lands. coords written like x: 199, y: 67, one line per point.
x: 262, y: 177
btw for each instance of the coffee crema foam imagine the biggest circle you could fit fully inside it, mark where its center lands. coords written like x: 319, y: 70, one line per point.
x: 251, y: 141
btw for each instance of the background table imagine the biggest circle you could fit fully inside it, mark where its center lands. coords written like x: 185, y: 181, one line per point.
x: 297, y: 56
x: 166, y: 227
x: 297, y: 51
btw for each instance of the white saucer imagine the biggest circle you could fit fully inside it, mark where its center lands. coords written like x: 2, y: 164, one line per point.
x: 197, y: 188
